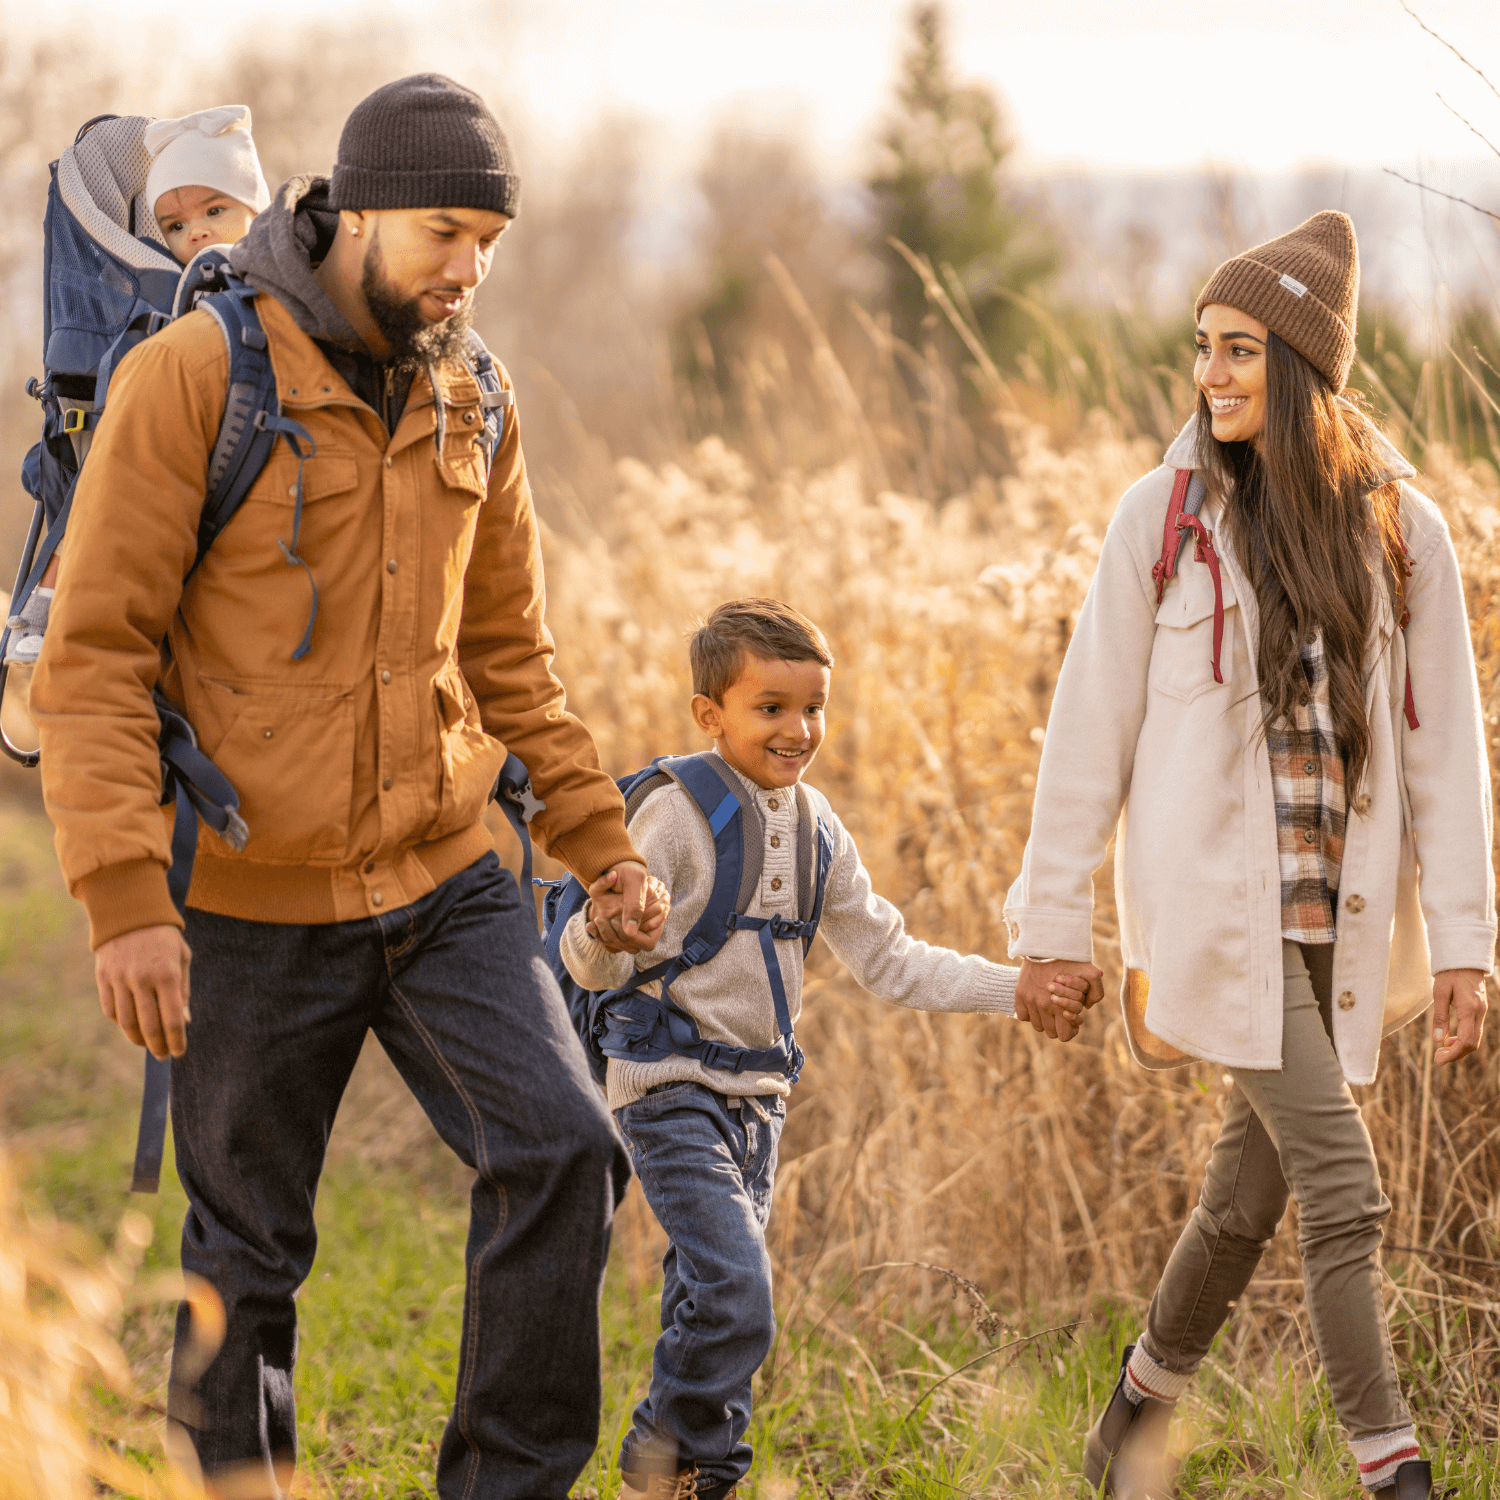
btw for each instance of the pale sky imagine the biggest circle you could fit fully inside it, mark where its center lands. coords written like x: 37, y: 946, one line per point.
x: 1102, y: 83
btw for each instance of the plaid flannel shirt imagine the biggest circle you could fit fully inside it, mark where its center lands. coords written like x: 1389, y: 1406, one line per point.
x: 1307, y: 776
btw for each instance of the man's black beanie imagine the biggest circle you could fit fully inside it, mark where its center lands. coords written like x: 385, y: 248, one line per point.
x: 424, y: 142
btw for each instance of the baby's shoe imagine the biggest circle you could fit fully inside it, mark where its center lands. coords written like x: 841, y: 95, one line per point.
x: 27, y: 629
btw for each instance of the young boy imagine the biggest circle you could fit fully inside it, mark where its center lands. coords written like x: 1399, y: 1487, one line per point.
x: 704, y: 1142
x: 204, y: 186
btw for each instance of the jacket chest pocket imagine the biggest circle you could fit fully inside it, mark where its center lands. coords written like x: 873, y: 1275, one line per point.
x: 1182, y: 652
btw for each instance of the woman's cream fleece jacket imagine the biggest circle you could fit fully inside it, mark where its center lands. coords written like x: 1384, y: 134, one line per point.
x: 1141, y: 736
x: 729, y: 997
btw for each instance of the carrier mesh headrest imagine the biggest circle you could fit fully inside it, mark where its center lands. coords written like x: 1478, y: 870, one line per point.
x: 98, y: 179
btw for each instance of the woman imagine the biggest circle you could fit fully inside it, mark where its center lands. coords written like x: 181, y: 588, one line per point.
x: 1247, y: 705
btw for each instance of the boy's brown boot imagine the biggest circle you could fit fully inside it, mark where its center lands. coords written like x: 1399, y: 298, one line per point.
x: 1126, y: 1449
x: 643, y: 1485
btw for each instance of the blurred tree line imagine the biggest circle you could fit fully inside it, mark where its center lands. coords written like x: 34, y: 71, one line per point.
x: 921, y: 321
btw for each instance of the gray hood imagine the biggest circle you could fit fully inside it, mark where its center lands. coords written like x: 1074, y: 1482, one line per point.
x: 279, y: 251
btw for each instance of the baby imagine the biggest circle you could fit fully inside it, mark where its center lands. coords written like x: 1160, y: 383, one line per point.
x: 204, y: 187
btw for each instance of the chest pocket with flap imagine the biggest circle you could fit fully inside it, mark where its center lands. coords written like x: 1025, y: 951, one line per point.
x: 1182, y: 653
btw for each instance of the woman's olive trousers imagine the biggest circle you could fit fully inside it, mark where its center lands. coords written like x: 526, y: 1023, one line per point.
x: 1296, y: 1132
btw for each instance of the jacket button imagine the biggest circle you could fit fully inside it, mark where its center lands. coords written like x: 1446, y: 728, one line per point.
x: 390, y: 567
x: 1346, y: 1000
x: 1355, y: 903
x: 776, y: 884
x: 269, y: 733
x: 1308, y: 767
x: 387, y: 784
x: 1014, y: 929
x: 469, y: 417
x: 376, y: 899
x: 1362, y: 803
x: 773, y: 804
x: 385, y: 677
x: 388, y: 460
x: 776, y: 841
x: 1308, y: 836
x: 291, y: 489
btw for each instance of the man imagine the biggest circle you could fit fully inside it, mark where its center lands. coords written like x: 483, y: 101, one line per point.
x: 356, y: 651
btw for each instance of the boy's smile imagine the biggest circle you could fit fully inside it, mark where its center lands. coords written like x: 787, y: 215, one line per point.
x: 770, y: 724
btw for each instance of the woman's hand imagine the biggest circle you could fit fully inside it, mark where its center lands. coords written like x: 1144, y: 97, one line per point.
x: 1047, y: 995
x: 1458, y: 1007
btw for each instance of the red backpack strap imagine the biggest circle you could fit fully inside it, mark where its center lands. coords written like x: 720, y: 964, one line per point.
x: 1171, y: 542
x: 1204, y: 553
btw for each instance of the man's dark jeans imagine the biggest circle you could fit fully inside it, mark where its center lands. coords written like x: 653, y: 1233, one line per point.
x: 458, y: 991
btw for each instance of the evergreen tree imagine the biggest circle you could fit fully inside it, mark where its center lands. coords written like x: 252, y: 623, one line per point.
x: 940, y: 189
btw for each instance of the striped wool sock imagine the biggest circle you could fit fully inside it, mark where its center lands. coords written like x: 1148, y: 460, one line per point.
x: 1144, y: 1377
x: 1379, y: 1457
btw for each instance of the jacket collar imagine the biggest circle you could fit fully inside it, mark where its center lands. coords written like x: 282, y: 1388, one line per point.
x: 1183, y: 452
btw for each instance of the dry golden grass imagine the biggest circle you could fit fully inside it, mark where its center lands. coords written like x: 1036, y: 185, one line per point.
x: 1056, y: 1177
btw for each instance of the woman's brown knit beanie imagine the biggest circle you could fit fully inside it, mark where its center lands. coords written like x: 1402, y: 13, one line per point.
x: 1304, y: 287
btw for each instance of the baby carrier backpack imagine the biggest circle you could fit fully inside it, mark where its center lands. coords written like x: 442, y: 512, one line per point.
x: 109, y: 282
x: 626, y: 1022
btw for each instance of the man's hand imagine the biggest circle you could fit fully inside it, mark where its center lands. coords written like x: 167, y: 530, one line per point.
x: 1458, y: 1007
x: 1048, y: 995
x: 617, y: 910
x: 144, y: 987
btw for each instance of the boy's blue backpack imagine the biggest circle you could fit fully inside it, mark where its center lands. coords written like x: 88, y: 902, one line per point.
x: 109, y: 282
x: 626, y: 1023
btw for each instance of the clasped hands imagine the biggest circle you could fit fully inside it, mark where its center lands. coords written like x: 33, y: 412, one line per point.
x: 1053, y: 996
x: 627, y: 909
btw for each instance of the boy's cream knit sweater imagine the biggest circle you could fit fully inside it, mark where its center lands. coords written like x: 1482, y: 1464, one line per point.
x: 729, y: 997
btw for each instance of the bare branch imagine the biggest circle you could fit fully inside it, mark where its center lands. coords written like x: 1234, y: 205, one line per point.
x: 1449, y: 45
x: 1474, y: 128
x: 1065, y: 1329
x: 1452, y: 197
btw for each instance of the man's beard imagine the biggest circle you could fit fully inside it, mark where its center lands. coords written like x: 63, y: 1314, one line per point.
x: 415, y: 343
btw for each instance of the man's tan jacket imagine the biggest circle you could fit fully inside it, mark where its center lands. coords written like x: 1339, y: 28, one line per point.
x: 363, y: 769
x: 1141, y: 736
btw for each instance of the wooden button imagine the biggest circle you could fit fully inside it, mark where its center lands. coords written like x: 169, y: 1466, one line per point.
x: 1309, y: 837
x: 776, y: 841
x: 376, y: 899
x: 773, y: 804
x: 1308, y: 767
x: 776, y: 884
x: 1346, y: 1000
x: 1355, y: 904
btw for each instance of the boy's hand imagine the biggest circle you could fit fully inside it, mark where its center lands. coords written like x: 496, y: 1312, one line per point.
x: 618, y: 908
x: 1053, y: 996
x: 658, y: 907
x: 143, y: 980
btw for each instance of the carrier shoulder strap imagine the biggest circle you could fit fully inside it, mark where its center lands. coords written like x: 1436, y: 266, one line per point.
x: 493, y: 397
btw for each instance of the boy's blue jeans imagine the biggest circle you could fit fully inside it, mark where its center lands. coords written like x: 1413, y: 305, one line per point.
x: 707, y: 1171
x: 458, y: 991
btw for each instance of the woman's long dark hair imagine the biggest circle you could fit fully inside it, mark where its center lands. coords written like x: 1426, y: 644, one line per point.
x: 1306, y: 513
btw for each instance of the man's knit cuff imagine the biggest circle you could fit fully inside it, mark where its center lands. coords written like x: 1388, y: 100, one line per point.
x: 125, y: 897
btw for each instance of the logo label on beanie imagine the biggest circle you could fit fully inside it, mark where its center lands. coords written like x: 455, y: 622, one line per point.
x: 1294, y: 286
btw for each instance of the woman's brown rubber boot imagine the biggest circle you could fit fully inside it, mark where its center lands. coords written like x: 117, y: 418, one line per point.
x: 1126, y: 1449
x: 1413, y: 1481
